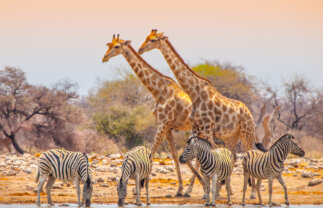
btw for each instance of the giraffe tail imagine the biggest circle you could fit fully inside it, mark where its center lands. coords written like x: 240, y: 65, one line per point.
x: 261, y: 147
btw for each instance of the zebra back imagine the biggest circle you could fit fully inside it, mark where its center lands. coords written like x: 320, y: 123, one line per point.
x: 263, y: 165
x: 65, y: 165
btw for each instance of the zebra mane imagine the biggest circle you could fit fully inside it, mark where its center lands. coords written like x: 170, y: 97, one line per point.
x: 285, y: 136
x: 199, y: 139
x: 88, y: 181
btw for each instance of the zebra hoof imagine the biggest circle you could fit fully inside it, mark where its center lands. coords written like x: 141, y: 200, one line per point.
x: 207, y: 204
x: 229, y: 203
x: 178, y: 195
x: 148, y: 203
x: 287, y: 203
x: 213, y: 205
x: 187, y: 195
x: 139, y: 204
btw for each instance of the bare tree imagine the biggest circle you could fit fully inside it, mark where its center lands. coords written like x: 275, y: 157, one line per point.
x: 46, y: 110
x: 299, y: 103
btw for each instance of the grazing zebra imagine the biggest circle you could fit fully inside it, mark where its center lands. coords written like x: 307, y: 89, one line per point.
x: 216, y: 165
x: 269, y: 165
x: 65, y: 166
x: 136, y: 165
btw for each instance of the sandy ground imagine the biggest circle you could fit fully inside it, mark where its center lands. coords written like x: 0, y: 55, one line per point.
x: 17, y: 183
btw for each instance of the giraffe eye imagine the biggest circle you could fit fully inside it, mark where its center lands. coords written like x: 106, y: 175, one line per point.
x: 153, y: 40
x: 117, y: 46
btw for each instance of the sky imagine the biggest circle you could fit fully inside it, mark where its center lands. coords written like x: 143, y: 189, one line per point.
x: 57, y: 39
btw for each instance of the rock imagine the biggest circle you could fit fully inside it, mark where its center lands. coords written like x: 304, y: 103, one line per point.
x: 168, y: 196
x: 170, y: 169
x: 113, y: 170
x: 95, y: 161
x: 173, y: 183
x: 104, y: 185
x: 294, y: 162
x: 9, y: 173
x: 100, y: 180
x: 26, y: 171
x: 56, y: 187
x: 153, y: 174
x: 104, y: 162
x: 307, y: 174
x: 113, y: 165
x: 114, y: 156
x: 31, y: 188
x: 161, y: 170
x: 102, y: 169
x: 314, y: 182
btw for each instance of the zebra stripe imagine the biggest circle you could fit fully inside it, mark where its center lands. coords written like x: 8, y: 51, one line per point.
x: 269, y: 165
x: 65, y: 166
x: 136, y: 165
x: 215, y: 164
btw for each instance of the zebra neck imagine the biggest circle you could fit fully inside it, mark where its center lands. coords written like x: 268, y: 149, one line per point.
x: 203, y: 155
x: 279, y: 153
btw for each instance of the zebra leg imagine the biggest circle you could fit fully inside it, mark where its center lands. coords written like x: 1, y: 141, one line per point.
x: 258, y: 191
x: 253, y: 188
x: 138, y: 190
x: 173, y: 150
x: 228, y: 188
x: 78, y: 191
x: 147, y: 190
x: 281, y: 181
x: 215, y: 188
x: 41, y: 182
x: 196, y: 174
x: 245, y: 181
x: 207, y: 189
x: 270, y: 182
x: 50, y: 183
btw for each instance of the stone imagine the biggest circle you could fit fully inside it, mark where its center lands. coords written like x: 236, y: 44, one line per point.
x: 9, y: 173
x: 168, y: 196
x: 104, y: 162
x: 104, y: 185
x: 170, y: 169
x: 153, y: 174
x: 314, y: 182
x: 161, y: 170
x: 113, y: 165
x: 307, y: 174
x: 114, y: 156
x: 26, y: 171
x: 56, y: 187
x: 100, y: 180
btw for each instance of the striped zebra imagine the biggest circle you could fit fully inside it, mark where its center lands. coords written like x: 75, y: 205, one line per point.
x: 269, y: 165
x: 216, y: 165
x: 65, y: 166
x: 136, y: 165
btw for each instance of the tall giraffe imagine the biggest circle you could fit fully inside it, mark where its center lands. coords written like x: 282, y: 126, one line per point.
x: 173, y: 105
x: 212, y: 113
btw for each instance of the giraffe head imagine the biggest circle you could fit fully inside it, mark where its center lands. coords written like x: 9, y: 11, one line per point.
x: 152, y: 41
x: 116, y: 47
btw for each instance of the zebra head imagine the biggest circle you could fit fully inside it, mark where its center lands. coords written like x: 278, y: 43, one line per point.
x: 122, y: 191
x: 87, y: 192
x: 294, y: 148
x: 191, y: 149
x: 86, y: 175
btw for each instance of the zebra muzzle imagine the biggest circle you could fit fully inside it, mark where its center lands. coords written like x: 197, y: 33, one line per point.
x: 181, y: 160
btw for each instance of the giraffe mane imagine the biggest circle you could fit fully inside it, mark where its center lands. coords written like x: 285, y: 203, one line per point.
x: 186, y: 65
x: 141, y: 59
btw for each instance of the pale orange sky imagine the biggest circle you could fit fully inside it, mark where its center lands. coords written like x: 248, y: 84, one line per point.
x: 51, y: 40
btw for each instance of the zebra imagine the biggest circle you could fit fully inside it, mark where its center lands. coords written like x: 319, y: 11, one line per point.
x: 216, y: 165
x: 269, y: 165
x: 65, y: 166
x: 136, y: 165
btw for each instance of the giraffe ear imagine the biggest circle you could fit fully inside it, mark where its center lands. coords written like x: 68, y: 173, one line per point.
x: 108, y: 44
x: 127, y: 42
x: 164, y: 38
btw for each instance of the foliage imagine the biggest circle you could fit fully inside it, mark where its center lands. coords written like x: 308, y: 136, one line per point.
x: 43, y: 112
x: 121, y: 109
x: 230, y: 81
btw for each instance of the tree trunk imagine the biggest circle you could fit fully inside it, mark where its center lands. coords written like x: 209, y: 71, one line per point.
x: 15, y: 144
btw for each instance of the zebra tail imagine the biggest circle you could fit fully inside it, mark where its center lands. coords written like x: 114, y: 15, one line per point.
x: 261, y: 147
x: 249, y: 181
x: 142, y: 183
x: 37, y: 175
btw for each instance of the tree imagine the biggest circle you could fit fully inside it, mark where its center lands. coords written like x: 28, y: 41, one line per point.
x: 229, y: 80
x: 300, y: 103
x: 44, y: 110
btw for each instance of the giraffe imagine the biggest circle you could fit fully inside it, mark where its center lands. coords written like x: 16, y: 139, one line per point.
x: 172, y: 107
x: 212, y: 113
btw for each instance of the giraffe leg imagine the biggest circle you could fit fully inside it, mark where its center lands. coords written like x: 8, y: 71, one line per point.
x: 196, y: 174
x: 231, y: 144
x: 247, y: 142
x: 160, y: 135
x: 171, y: 143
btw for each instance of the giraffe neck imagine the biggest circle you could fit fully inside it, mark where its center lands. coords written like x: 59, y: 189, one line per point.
x: 153, y: 80
x: 190, y: 81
